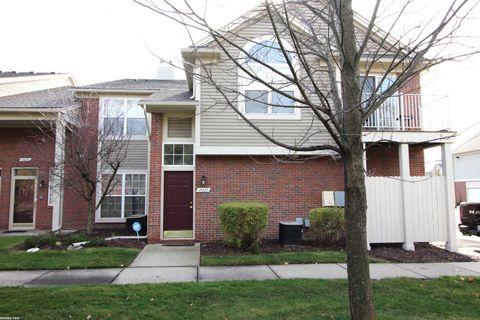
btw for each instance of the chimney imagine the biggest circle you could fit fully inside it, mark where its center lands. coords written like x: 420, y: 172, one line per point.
x: 165, y: 71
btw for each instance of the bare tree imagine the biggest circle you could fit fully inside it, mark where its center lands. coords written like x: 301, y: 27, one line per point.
x: 325, y: 48
x: 88, y: 154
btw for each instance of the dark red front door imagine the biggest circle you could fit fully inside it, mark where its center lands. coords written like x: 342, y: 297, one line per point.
x: 178, y: 200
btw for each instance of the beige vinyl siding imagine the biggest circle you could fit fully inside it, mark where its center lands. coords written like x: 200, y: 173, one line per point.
x: 221, y: 126
x: 179, y: 127
x: 35, y: 84
x: 136, y: 155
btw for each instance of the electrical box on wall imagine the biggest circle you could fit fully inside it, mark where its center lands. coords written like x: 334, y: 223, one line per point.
x: 328, y: 199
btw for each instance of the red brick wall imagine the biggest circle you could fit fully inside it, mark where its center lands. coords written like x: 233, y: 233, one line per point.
x: 32, y: 143
x: 155, y: 179
x: 460, y: 192
x: 289, y: 189
x: 411, y: 86
x: 384, y: 161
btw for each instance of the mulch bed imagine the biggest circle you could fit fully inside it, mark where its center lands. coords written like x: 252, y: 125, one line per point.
x: 424, y: 252
x: 217, y: 248
x: 127, y: 243
x: 120, y: 243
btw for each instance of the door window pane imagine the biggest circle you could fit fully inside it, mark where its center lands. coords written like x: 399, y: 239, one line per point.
x: 168, y: 159
x: 178, y: 154
x: 280, y: 99
x: 178, y: 159
x: 256, y: 101
x: 169, y: 149
x: 178, y: 149
x: 188, y: 148
x: 25, y: 172
x: 188, y: 159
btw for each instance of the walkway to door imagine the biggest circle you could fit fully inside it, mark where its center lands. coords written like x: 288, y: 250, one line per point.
x: 161, y: 255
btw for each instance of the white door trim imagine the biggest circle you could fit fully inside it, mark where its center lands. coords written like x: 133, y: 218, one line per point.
x: 14, y: 178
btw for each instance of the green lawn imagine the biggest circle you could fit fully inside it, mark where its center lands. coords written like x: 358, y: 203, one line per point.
x: 279, y: 258
x: 446, y: 298
x: 105, y: 257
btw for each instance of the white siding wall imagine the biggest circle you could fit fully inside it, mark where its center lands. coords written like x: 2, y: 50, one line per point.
x: 221, y: 126
x: 20, y: 85
x: 426, y: 199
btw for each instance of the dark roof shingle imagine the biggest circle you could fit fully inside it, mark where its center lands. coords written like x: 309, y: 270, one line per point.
x: 170, y: 96
x: 44, y: 99
x: 136, y: 85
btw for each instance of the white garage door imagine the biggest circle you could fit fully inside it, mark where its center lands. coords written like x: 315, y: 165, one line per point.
x: 473, y: 191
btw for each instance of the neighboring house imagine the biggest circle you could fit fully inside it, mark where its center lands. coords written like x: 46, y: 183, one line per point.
x: 30, y: 103
x: 189, y: 152
x: 466, y: 162
x: 197, y: 153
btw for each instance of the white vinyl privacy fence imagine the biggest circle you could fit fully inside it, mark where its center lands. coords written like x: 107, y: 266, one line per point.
x: 413, y: 208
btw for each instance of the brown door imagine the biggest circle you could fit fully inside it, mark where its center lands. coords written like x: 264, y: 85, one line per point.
x: 178, y: 200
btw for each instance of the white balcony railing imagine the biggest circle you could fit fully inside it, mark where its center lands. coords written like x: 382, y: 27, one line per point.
x: 411, y: 112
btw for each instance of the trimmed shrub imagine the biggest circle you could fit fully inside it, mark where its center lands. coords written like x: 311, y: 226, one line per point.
x: 42, y: 240
x: 243, y: 223
x: 327, y: 225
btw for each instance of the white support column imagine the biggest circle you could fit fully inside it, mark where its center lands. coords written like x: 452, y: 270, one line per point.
x: 404, y: 161
x: 447, y: 166
x: 57, y: 211
x: 365, y: 170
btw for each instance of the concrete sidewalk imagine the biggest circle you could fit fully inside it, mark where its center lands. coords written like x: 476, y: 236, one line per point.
x: 136, y: 275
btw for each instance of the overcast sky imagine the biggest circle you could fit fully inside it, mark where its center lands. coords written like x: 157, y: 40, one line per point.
x: 101, y: 40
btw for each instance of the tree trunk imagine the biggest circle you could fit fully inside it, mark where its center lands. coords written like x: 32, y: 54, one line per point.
x: 359, y: 285
x: 90, y: 216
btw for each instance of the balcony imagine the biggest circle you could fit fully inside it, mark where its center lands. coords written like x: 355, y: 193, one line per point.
x: 411, y: 112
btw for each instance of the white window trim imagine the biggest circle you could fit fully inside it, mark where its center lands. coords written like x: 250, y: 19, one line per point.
x: 13, y: 178
x: 245, y: 84
x: 98, y: 214
x: 295, y: 115
x: 124, y: 98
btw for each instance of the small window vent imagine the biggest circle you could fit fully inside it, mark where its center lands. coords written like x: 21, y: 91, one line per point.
x: 179, y: 127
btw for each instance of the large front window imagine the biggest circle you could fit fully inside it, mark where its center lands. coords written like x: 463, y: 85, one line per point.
x: 126, y: 197
x: 123, y: 117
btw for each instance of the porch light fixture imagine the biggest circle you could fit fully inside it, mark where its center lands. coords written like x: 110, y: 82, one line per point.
x: 203, y: 180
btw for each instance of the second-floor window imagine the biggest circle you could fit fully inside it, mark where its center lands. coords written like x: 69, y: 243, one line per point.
x: 256, y: 98
x: 123, y: 117
x: 264, y: 101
